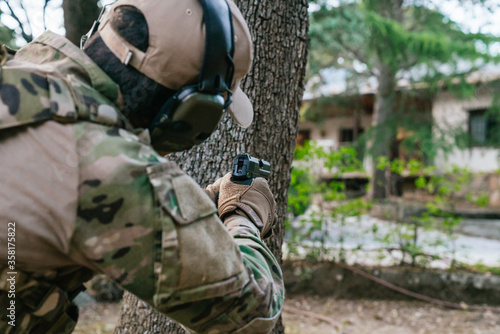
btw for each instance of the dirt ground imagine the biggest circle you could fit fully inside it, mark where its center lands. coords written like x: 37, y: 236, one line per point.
x: 352, y: 316
x: 386, y: 317
x: 98, y: 318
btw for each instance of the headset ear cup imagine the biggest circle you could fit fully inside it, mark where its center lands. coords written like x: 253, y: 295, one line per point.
x: 191, y: 115
x: 166, y: 110
x: 187, y: 119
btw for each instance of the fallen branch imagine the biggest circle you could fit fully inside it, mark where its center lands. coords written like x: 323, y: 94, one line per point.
x: 461, y: 306
x: 293, y: 310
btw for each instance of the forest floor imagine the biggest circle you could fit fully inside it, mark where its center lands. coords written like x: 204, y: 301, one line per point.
x: 360, y: 316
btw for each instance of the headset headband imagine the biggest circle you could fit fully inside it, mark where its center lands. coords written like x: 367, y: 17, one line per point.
x: 218, y: 67
x: 194, y: 111
x: 217, y: 71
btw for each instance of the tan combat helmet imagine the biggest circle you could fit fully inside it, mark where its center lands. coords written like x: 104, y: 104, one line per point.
x: 176, y: 47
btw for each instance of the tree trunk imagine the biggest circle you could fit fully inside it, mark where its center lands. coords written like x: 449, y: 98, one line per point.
x: 79, y: 17
x: 275, y: 87
x: 383, y: 133
x: 385, y: 103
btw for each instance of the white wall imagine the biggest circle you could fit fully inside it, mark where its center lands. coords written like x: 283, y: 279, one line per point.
x: 450, y: 112
x: 476, y: 160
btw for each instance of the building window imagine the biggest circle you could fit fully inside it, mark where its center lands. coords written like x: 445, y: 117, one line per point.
x: 348, y: 135
x: 302, y: 136
x: 483, y: 127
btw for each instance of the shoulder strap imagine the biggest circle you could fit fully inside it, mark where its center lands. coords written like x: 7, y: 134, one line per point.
x: 27, y: 98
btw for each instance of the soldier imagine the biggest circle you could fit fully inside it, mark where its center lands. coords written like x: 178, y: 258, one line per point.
x: 84, y: 191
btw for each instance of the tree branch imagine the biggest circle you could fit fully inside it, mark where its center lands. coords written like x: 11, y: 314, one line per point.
x: 27, y: 18
x: 44, y: 14
x: 27, y: 37
x: 359, y: 55
x: 439, y: 302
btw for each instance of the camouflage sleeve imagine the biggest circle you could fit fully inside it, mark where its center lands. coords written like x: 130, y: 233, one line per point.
x: 265, y: 272
x: 149, y: 226
x: 245, y: 293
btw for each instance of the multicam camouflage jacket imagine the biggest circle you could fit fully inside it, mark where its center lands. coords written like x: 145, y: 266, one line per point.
x: 86, y: 193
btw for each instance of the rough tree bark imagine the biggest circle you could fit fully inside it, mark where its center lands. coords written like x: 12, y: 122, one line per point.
x: 78, y: 18
x: 275, y: 86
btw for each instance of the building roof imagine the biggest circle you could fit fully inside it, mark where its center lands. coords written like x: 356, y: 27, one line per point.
x: 336, y: 81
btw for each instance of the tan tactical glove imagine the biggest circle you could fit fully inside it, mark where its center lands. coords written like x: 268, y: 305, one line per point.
x: 212, y: 190
x: 252, y: 199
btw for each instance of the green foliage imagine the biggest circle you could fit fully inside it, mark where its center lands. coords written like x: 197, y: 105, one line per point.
x: 336, y: 212
x: 483, y: 269
x: 411, y: 167
x: 343, y: 160
x: 308, y: 152
x: 301, y: 186
x: 7, y: 35
x: 436, y: 40
x: 371, y: 33
x: 23, y: 30
x: 334, y: 32
x: 306, y: 185
x: 305, y: 182
x: 388, y: 40
x: 446, y: 191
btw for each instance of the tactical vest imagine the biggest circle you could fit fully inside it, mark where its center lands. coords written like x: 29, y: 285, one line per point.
x: 30, y: 98
x: 44, y: 304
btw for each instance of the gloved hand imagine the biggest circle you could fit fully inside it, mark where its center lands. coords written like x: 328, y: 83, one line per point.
x: 212, y: 190
x: 251, y: 198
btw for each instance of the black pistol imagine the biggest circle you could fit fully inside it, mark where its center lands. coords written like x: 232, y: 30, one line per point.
x: 246, y: 167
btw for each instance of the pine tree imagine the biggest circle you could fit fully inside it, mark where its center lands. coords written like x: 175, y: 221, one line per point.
x: 385, y: 38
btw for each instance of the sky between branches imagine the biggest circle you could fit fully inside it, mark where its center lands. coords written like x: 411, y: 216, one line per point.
x: 470, y: 18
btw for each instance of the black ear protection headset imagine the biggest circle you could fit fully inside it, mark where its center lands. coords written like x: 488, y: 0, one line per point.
x: 193, y: 113
x: 190, y: 116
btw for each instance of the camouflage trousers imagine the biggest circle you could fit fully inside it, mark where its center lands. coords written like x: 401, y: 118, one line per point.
x: 34, y: 305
